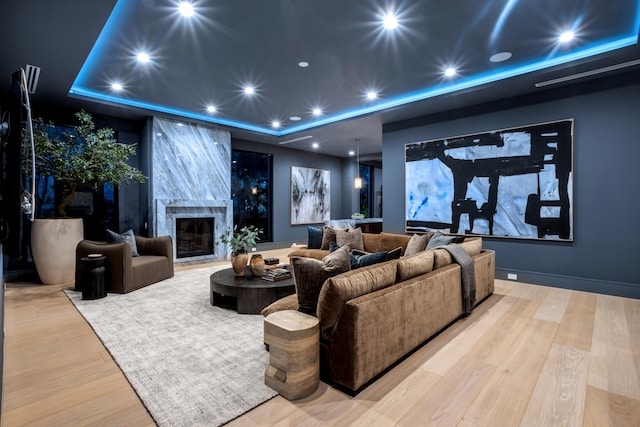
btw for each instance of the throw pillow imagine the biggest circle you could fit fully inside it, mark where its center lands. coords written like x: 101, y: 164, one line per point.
x: 315, y: 237
x: 352, y: 238
x: 439, y: 239
x: 310, y: 274
x: 418, y: 243
x: 358, y: 261
x: 333, y: 246
x: 395, y: 253
x: 328, y: 236
x: 127, y: 236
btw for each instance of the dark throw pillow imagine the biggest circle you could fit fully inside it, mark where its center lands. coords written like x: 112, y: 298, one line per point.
x: 439, y: 239
x: 310, y: 274
x: 394, y: 253
x: 358, y: 261
x: 315, y: 237
x: 333, y: 246
x: 127, y: 236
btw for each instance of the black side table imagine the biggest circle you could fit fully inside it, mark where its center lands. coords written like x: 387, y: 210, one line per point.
x: 93, y: 277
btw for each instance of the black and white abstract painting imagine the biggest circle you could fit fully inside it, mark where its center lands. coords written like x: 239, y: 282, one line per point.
x: 514, y: 183
x: 310, y: 195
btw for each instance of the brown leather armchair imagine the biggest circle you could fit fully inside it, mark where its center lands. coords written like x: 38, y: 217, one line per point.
x: 126, y: 273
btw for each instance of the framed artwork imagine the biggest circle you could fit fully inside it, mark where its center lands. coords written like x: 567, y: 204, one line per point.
x: 310, y: 195
x: 512, y: 183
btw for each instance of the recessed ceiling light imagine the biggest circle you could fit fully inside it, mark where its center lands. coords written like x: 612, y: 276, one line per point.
x: 315, y: 145
x: 116, y: 86
x: 565, y: 37
x: 317, y: 111
x: 180, y: 124
x: 211, y: 109
x: 390, y: 21
x: 143, y: 57
x: 449, y: 72
x: 186, y: 9
x: 275, y: 124
x: 158, y: 134
x: 352, y: 153
x: 294, y: 118
x: 303, y: 64
x: 372, y: 95
x: 249, y: 90
x: 500, y: 57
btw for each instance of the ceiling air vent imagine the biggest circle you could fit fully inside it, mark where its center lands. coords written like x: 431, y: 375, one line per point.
x: 32, y: 74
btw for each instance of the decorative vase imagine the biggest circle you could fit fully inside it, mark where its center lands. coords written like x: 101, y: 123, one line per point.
x: 239, y: 263
x: 256, y: 265
x: 53, y: 245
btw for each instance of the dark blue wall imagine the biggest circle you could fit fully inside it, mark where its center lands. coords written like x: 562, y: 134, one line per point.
x: 603, y: 256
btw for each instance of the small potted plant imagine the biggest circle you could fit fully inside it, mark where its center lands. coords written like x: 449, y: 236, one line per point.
x: 239, y: 241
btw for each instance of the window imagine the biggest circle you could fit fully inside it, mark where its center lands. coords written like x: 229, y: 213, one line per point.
x: 251, y: 177
x: 366, y: 196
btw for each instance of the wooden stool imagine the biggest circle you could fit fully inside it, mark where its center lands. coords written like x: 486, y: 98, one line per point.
x: 294, y: 350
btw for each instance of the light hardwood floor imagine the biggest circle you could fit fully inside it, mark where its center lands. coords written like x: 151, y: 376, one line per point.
x: 529, y: 355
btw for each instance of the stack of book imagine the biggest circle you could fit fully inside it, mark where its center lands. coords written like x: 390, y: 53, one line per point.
x: 276, y: 274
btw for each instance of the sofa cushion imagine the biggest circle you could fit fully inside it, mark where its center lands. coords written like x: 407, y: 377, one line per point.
x: 371, y: 242
x: 414, y: 265
x: 309, y: 275
x: 337, y: 290
x: 315, y: 237
x: 390, y: 241
x: 417, y: 243
x: 439, y: 239
x: 351, y: 238
x: 127, y: 236
x: 473, y: 245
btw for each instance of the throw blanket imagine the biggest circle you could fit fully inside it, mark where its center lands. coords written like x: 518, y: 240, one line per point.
x: 461, y: 256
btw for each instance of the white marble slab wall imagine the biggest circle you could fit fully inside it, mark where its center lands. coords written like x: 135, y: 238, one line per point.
x: 190, y: 176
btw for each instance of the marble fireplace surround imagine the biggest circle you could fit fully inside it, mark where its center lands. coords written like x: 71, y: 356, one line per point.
x: 168, y: 210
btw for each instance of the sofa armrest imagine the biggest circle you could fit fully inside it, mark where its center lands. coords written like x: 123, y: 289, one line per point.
x: 309, y: 253
x: 118, y: 264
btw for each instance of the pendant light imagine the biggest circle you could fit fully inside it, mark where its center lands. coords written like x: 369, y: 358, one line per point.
x: 358, y: 181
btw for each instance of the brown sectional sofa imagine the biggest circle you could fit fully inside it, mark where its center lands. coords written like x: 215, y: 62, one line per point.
x: 126, y: 273
x: 372, y: 317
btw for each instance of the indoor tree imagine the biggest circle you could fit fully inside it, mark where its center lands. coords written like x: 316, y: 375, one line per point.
x: 81, y: 157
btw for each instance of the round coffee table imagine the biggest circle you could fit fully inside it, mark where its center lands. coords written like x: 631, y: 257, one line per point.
x: 248, y: 294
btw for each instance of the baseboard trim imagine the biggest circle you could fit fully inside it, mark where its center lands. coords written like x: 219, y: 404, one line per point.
x: 621, y: 289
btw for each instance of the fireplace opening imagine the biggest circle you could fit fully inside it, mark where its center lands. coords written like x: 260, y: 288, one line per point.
x: 194, y: 237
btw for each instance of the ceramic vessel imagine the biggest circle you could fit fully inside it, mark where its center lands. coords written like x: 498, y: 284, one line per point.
x: 239, y: 263
x: 256, y: 265
x: 53, y: 245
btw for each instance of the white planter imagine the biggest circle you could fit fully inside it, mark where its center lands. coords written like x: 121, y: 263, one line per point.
x: 53, y: 246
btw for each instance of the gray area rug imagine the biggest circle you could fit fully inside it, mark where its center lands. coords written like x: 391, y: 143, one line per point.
x: 192, y: 364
